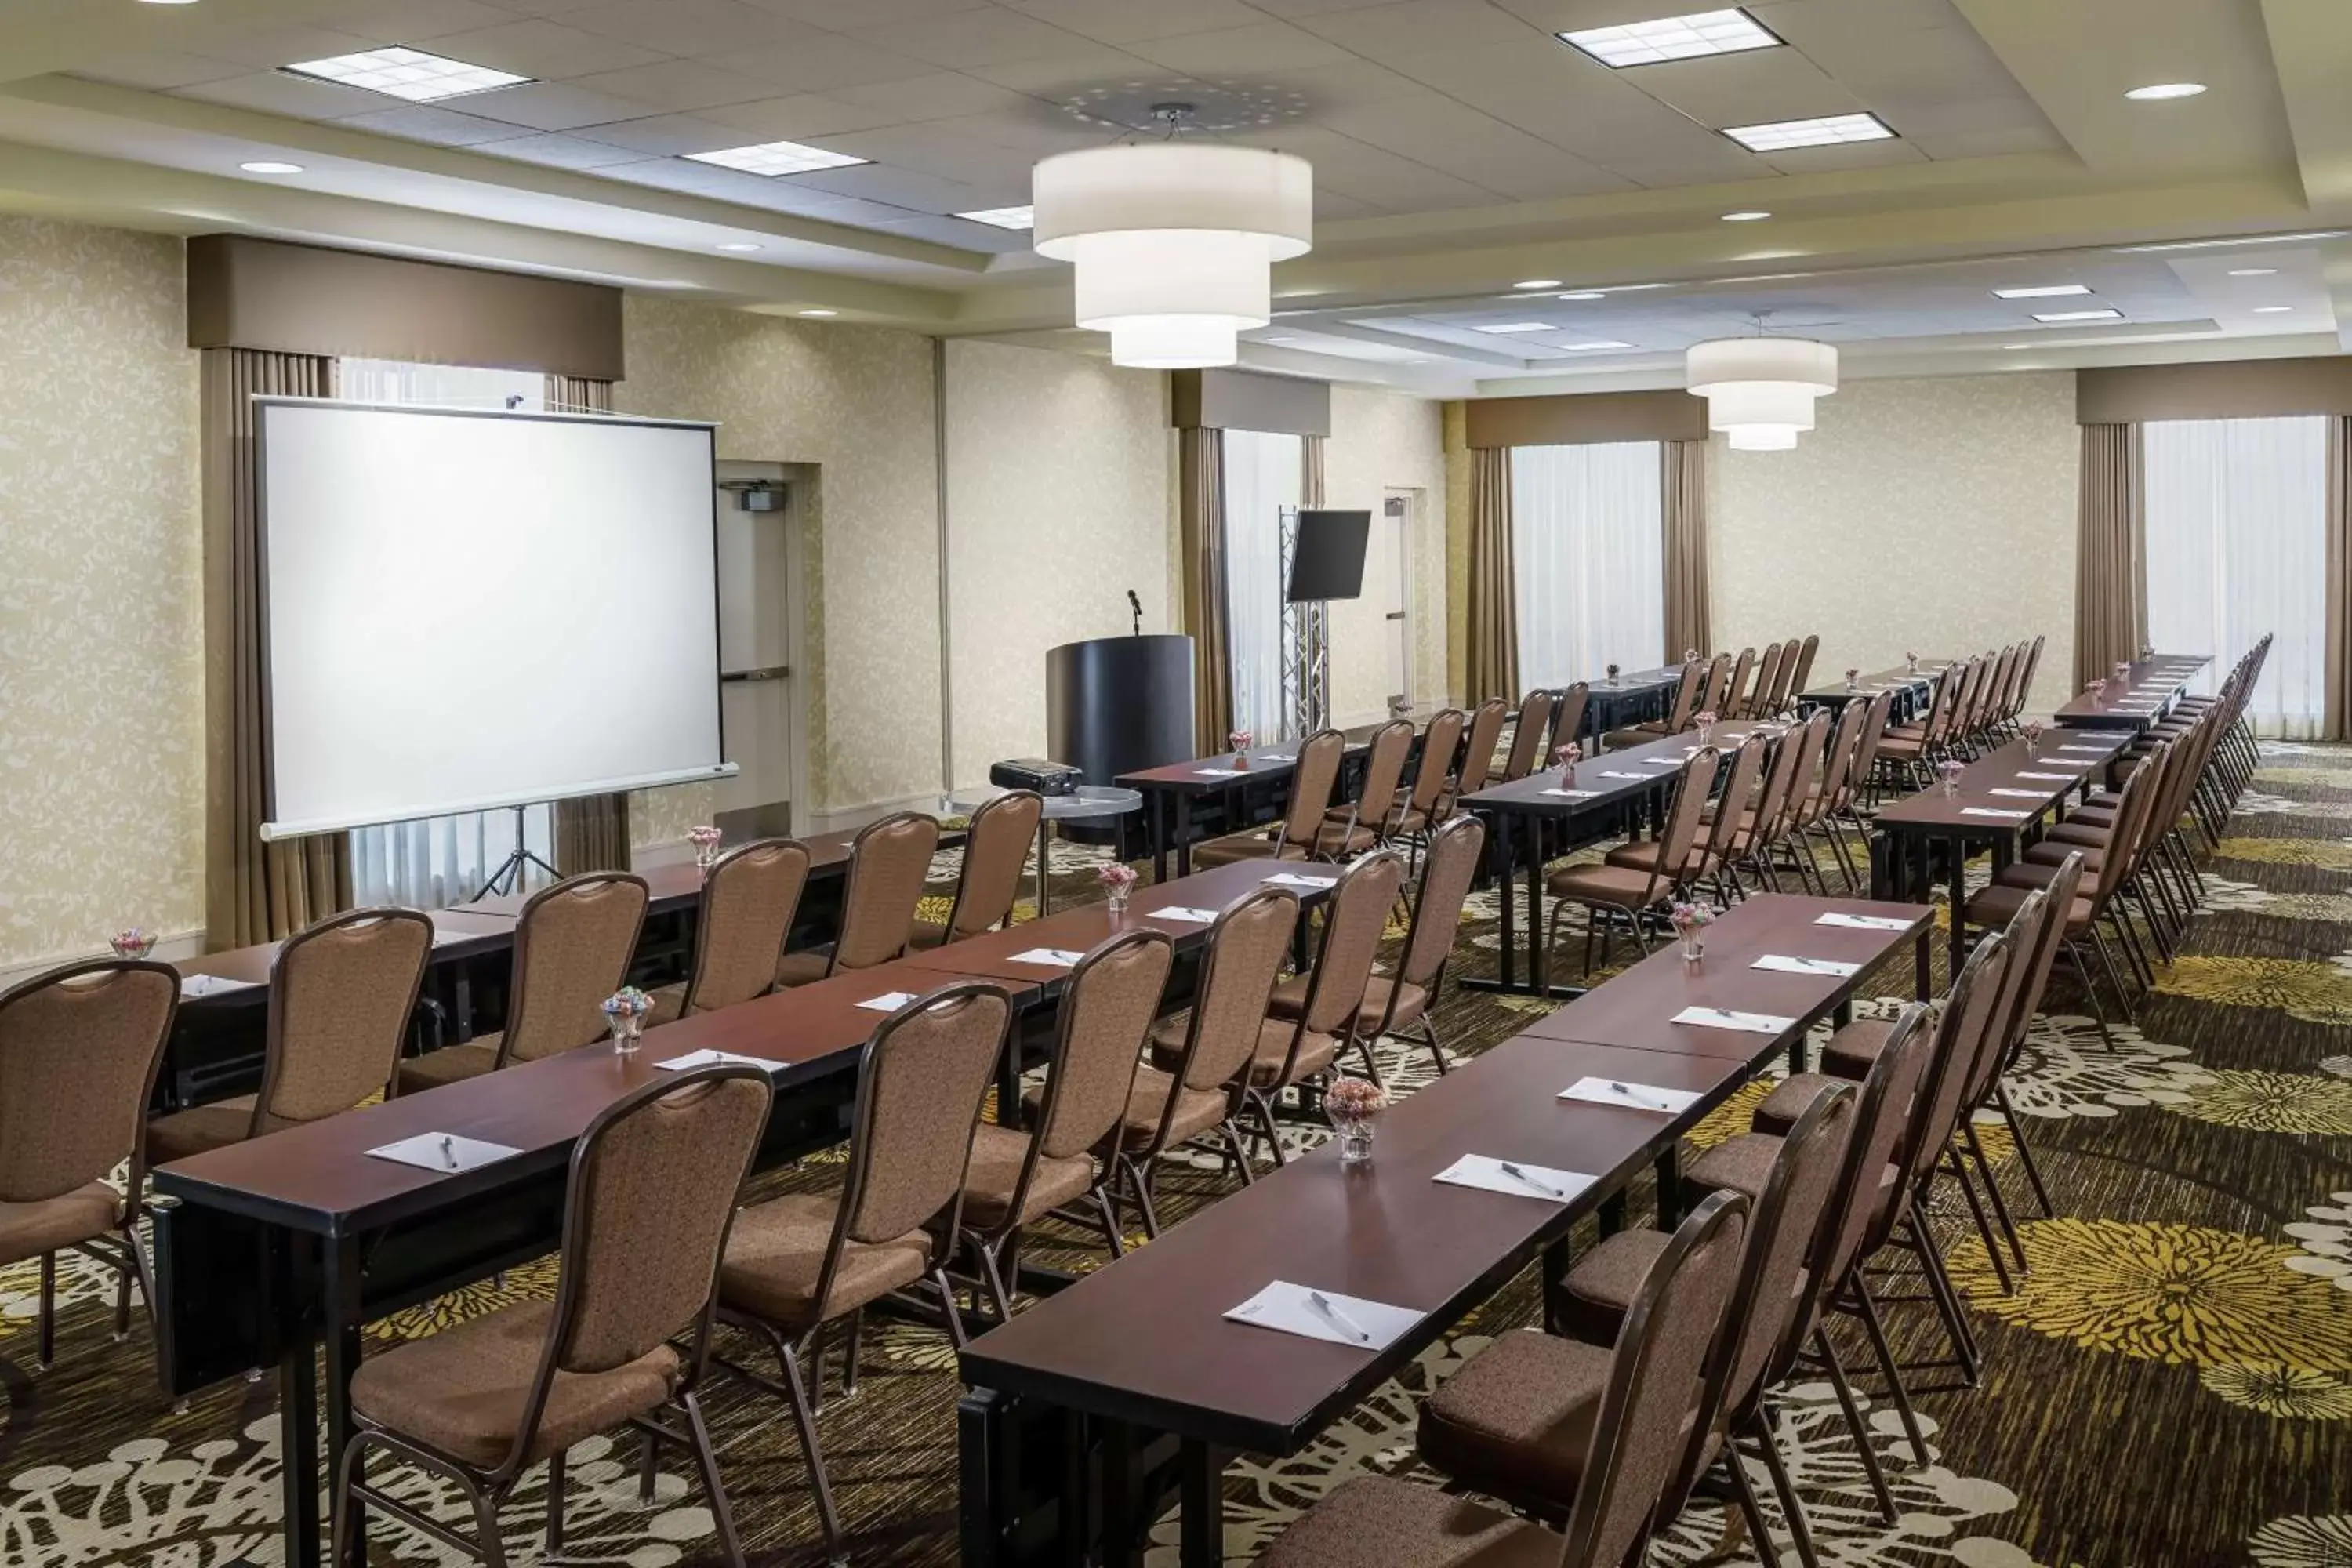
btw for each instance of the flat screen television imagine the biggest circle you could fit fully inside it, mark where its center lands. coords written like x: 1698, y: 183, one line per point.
x: 1328, y: 562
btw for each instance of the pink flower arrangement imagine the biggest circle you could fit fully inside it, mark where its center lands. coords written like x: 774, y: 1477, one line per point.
x: 1240, y: 739
x: 133, y: 941
x: 1690, y: 656
x: 1567, y: 754
x: 1354, y: 1099
x: 1949, y: 770
x: 2123, y: 673
x: 1853, y: 679
x: 2097, y: 689
x: 1705, y: 721
x: 1690, y: 919
x: 706, y: 840
x: 1613, y: 672
x: 1118, y: 874
x: 625, y: 1014
x: 2032, y: 730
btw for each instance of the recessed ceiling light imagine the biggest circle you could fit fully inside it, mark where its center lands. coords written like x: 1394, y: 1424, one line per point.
x: 1537, y: 283
x: 270, y: 166
x: 1586, y: 294
x: 2254, y: 271
x: 1003, y: 218
x: 2006, y: 347
x: 2164, y: 89
x: 2234, y: 239
x: 410, y: 74
x: 2042, y: 291
x: 1603, y: 344
x: 739, y: 244
x: 1746, y: 217
x: 2079, y: 316
x: 775, y: 158
x: 170, y: 2
x: 1509, y: 326
x: 1283, y: 340
x: 1828, y: 131
x: 1725, y: 32
x: 2272, y: 309
x: 820, y: 312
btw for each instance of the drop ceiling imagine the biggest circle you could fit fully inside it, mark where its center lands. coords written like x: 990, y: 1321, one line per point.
x: 1458, y: 147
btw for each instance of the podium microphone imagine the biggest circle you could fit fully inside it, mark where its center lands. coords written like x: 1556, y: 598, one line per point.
x: 1136, y: 606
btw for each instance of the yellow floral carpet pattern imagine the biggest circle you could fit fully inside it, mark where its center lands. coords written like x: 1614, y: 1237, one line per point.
x: 2170, y: 1386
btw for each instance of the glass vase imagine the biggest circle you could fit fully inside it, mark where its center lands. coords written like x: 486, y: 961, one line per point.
x: 1116, y: 896
x: 1355, y: 1137
x: 625, y: 1035
x: 1693, y: 947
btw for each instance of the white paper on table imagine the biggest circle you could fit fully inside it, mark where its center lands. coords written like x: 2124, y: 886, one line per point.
x: 2096, y: 751
x: 1538, y: 1182
x: 443, y: 938
x: 1279, y: 757
x: 2022, y: 794
x: 1658, y: 763
x: 1220, y: 772
x: 2052, y: 778
x: 212, y: 985
x: 444, y: 1152
x: 1292, y: 1309
x: 1573, y: 794
x: 1296, y: 879
x: 2002, y: 812
x: 1729, y: 1019
x: 888, y: 1002
x: 1643, y: 778
x: 1630, y: 1096
x: 1049, y: 957
x: 1862, y: 922
x: 1181, y: 913
x: 1789, y: 963
x: 707, y: 1058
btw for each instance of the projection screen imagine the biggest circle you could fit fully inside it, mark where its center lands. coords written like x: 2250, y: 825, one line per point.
x: 463, y: 609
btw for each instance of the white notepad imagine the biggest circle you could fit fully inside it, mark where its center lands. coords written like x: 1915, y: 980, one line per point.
x: 1787, y: 963
x: 2096, y: 751
x: 443, y: 938
x: 1641, y: 778
x: 1658, y: 763
x: 1181, y: 913
x: 1515, y: 1178
x: 707, y: 1058
x: 1728, y: 1018
x: 2002, y: 812
x: 2022, y: 794
x: 1049, y: 957
x: 212, y: 985
x: 444, y: 1152
x: 1296, y: 879
x: 888, y: 1002
x: 1326, y: 1315
x: 1630, y: 1096
x: 1862, y: 922
x: 2052, y: 778
x: 1278, y: 757
x: 1220, y: 772
x: 1573, y: 794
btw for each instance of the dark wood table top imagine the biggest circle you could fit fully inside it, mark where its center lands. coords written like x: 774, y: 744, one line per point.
x: 1635, y: 1010
x: 1626, y: 682
x: 319, y: 1177
x: 1145, y: 1338
x: 456, y: 933
x: 1209, y: 775
x: 1877, y: 681
x: 2150, y: 681
x: 2071, y: 751
x: 1528, y: 796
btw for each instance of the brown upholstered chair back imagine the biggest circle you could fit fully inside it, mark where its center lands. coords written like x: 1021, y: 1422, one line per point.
x: 1312, y: 779
x: 1352, y: 926
x: 1713, y: 695
x: 340, y: 992
x: 1768, y: 679
x: 748, y: 903
x: 1639, y: 1435
x: 1734, y: 693
x: 1383, y: 771
x: 1810, y: 739
x: 1865, y: 745
x: 919, y: 1089
x: 654, y: 1183
x: 1107, y: 1011
x: 1567, y: 718
x: 995, y: 852
x: 1686, y: 690
x: 1447, y: 869
x: 1970, y: 1008
x: 1889, y: 1095
x: 2036, y: 913
x: 1438, y: 744
x: 1804, y: 673
x: 1837, y: 756
x: 1245, y: 953
x: 1785, y: 1223
x: 572, y: 949
x: 1479, y: 753
x: 1746, y: 767
x: 888, y: 863
x: 78, y: 1050
x: 1693, y: 789
x: 1527, y: 741
x: 1790, y: 651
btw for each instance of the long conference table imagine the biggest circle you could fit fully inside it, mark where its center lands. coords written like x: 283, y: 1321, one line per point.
x: 2145, y: 692
x: 1085, y: 1412
x: 267, y: 1248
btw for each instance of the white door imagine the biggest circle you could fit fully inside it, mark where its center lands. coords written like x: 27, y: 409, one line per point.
x: 1389, y: 584
x: 755, y: 646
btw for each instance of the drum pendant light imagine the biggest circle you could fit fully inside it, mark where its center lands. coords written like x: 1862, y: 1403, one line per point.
x: 1760, y: 391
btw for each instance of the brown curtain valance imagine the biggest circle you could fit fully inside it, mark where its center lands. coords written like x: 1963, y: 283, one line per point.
x: 1245, y: 400
x: 1584, y: 418
x: 250, y: 293
x: 2231, y: 389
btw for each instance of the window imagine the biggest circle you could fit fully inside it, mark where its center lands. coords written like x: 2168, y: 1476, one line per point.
x: 1587, y: 542
x: 442, y: 861
x: 2237, y: 546
x: 1263, y: 474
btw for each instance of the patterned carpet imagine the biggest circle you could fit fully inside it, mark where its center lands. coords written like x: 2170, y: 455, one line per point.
x: 2170, y: 1385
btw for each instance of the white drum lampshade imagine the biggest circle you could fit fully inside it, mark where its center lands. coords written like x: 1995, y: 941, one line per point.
x: 1173, y: 242
x: 1760, y: 391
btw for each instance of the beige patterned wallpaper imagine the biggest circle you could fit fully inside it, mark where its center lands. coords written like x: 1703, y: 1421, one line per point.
x: 1381, y: 442
x: 1934, y: 516
x: 101, y: 620
x: 1059, y: 500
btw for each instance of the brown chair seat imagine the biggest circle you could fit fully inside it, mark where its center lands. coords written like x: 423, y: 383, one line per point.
x: 1896, y: 745
x: 1996, y: 906
x: 1516, y: 1419
x: 1197, y: 1110
x: 1741, y: 1164
x: 1641, y: 856
x: 1606, y: 884
x: 1236, y: 848
x: 777, y: 1249
x: 2024, y: 874
x: 463, y: 1390
x: 1289, y: 1001
x: 1377, y: 1523
x: 802, y: 969
x: 30, y: 1229
x: 2081, y: 835
x: 199, y: 1127
x: 1851, y: 1050
x: 450, y: 1064
x: 2081, y: 841
x: 1786, y: 1102
x: 1315, y: 1053
x: 997, y: 1153
x: 1594, y: 1297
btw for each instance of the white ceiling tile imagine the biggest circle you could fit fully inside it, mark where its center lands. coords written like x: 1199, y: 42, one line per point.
x: 965, y: 39
x: 1848, y: 156
x: 1315, y: 7
x: 825, y: 63
x: 797, y: 117
x: 1135, y: 21
x: 1080, y: 66
x: 941, y: 152
x: 406, y: 21
x: 275, y: 92
x: 962, y: 233
x: 1372, y: 174
x: 690, y: 27
x: 1987, y: 142
x: 539, y: 48
x: 160, y: 70
x: 1393, y: 35
x: 697, y: 179
x: 1459, y: 140
x: 1751, y: 89
x: 944, y: 95
x: 1243, y: 51
x: 561, y: 152
x: 548, y: 7
x: 898, y: 187
x: 429, y: 122
x: 840, y: 15
x: 1352, y: 84
x: 268, y: 50
x: 675, y: 86
x: 667, y: 135
x: 553, y: 106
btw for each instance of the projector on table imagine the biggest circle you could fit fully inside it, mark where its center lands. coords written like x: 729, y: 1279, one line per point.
x: 1037, y: 774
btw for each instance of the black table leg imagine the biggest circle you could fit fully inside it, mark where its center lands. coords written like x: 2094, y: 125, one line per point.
x: 1158, y: 803
x: 1669, y: 1169
x: 1508, y: 898
x: 1956, y: 889
x: 1923, y: 965
x: 1200, y: 1486
x: 339, y: 1327
x: 1183, y: 833
x: 1539, y: 965
x: 1555, y: 1275
x: 298, y: 1434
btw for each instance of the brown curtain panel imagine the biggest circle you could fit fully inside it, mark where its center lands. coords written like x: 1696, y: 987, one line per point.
x: 2111, y: 558
x: 1494, y: 630
x: 1310, y: 475
x: 1201, y: 539
x: 2338, y: 724
x: 1682, y: 483
x: 254, y: 891
x: 591, y: 834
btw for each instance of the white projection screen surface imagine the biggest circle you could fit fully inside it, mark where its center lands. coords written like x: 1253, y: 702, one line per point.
x: 465, y: 610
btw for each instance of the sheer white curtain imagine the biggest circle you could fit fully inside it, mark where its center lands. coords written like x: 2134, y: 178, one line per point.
x: 1587, y: 539
x: 1262, y: 475
x: 442, y: 861
x: 2237, y: 546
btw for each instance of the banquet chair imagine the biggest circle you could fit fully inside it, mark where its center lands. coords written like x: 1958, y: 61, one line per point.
x: 340, y: 994
x: 647, y: 1205
x: 1827, y: 796
x: 1782, y: 804
x: 1638, y: 895
x: 1803, y: 674
x: 1304, y: 833
x: 1733, y: 701
x: 1756, y: 702
x: 996, y: 847
x: 1528, y: 736
x: 1017, y: 1178
x: 1776, y: 704
x: 749, y: 898
x: 1371, y: 819
x: 1568, y: 712
x: 797, y: 1263
x: 889, y: 860
x: 1715, y: 693
x: 1639, y: 1406
x: 80, y: 1048
x: 1420, y: 804
x: 1677, y: 719
x: 572, y: 944
x: 1477, y: 769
